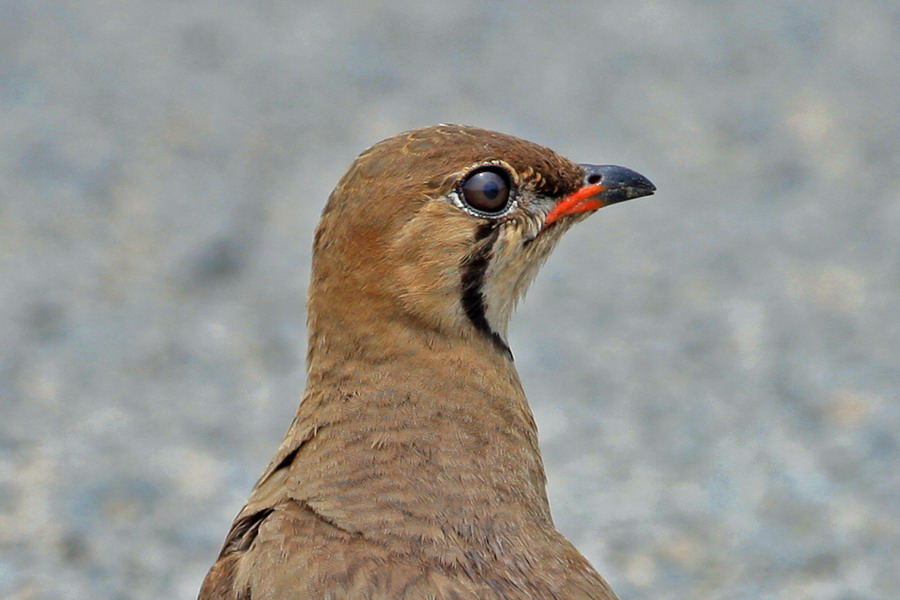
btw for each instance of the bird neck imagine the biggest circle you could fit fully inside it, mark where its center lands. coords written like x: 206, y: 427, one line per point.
x: 420, y: 428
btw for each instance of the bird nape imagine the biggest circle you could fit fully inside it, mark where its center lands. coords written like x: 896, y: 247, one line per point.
x: 412, y: 468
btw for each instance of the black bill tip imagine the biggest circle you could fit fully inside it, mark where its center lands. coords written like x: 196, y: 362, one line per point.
x: 620, y: 183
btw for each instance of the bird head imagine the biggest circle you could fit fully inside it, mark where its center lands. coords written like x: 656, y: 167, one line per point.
x: 443, y: 228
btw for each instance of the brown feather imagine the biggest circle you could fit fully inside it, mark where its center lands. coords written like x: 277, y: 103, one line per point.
x: 412, y: 468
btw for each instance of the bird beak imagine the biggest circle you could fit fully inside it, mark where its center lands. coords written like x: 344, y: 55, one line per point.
x: 603, y: 185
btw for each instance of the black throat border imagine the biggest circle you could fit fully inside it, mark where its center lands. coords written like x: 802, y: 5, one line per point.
x: 474, y: 269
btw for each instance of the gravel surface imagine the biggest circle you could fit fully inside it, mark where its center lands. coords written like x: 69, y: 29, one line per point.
x: 715, y: 369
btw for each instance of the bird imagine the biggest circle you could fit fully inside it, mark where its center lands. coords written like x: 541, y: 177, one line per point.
x: 412, y: 468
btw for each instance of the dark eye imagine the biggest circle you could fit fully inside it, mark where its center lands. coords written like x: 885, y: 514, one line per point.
x: 487, y: 191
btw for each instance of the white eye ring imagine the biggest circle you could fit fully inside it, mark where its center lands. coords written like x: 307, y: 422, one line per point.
x: 486, y: 191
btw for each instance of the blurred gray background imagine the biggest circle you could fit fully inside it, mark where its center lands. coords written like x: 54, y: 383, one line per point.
x: 715, y: 370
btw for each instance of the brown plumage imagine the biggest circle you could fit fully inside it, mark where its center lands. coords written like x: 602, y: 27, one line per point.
x: 412, y: 468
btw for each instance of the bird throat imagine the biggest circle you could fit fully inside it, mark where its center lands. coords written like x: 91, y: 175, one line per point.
x: 473, y: 283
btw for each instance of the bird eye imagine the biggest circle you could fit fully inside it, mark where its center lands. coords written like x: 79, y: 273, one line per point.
x: 486, y: 191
